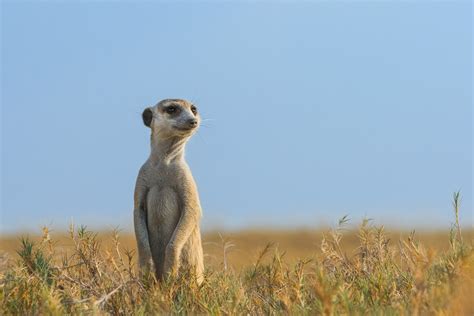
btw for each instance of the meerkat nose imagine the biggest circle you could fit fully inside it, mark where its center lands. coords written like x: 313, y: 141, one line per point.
x: 192, y: 122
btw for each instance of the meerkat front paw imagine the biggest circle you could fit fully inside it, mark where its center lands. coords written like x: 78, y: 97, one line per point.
x: 171, y: 264
x: 145, y: 263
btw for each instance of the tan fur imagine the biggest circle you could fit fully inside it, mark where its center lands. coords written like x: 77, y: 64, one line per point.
x: 167, y: 209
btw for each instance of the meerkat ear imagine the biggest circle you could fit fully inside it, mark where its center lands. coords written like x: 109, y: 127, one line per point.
x: 147, y: 116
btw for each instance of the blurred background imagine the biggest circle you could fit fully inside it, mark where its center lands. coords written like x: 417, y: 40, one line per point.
x: 313, y: 110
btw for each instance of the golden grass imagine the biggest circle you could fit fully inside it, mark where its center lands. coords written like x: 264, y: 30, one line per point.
x: 243, y: 246
x: 338, y: 271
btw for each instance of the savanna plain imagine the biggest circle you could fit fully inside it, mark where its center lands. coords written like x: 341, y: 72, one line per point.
x: 349, y: 269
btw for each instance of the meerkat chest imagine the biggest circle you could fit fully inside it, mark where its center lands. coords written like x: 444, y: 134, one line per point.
x: 163, y: 206
x: 162, y: 176
x: 163, y: 195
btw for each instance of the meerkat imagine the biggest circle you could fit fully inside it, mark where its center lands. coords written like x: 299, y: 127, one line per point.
x: 167, y: 209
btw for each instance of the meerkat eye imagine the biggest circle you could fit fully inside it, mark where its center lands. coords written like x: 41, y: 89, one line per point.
x: 194, y: 109
x: 171, y: 109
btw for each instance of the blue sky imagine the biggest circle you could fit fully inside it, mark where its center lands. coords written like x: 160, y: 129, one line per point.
x: 315, y: 110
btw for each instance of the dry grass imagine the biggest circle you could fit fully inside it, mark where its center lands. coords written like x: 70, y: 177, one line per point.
x: 300, y: 272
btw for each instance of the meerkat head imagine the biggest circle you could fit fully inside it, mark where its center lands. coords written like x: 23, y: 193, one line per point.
x: 172, y: 118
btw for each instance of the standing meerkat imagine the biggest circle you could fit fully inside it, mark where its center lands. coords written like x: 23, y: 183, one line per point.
x: 167, y: 210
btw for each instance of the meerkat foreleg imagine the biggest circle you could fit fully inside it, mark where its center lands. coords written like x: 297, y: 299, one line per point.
x: 187, y: 223
x: 141, y: 231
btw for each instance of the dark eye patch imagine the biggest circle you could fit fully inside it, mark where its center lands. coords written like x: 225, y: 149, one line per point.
x: 194, y: 109
x: 172, y: 109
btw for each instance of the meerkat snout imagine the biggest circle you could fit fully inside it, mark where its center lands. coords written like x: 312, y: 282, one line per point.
x: 192, y: 122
